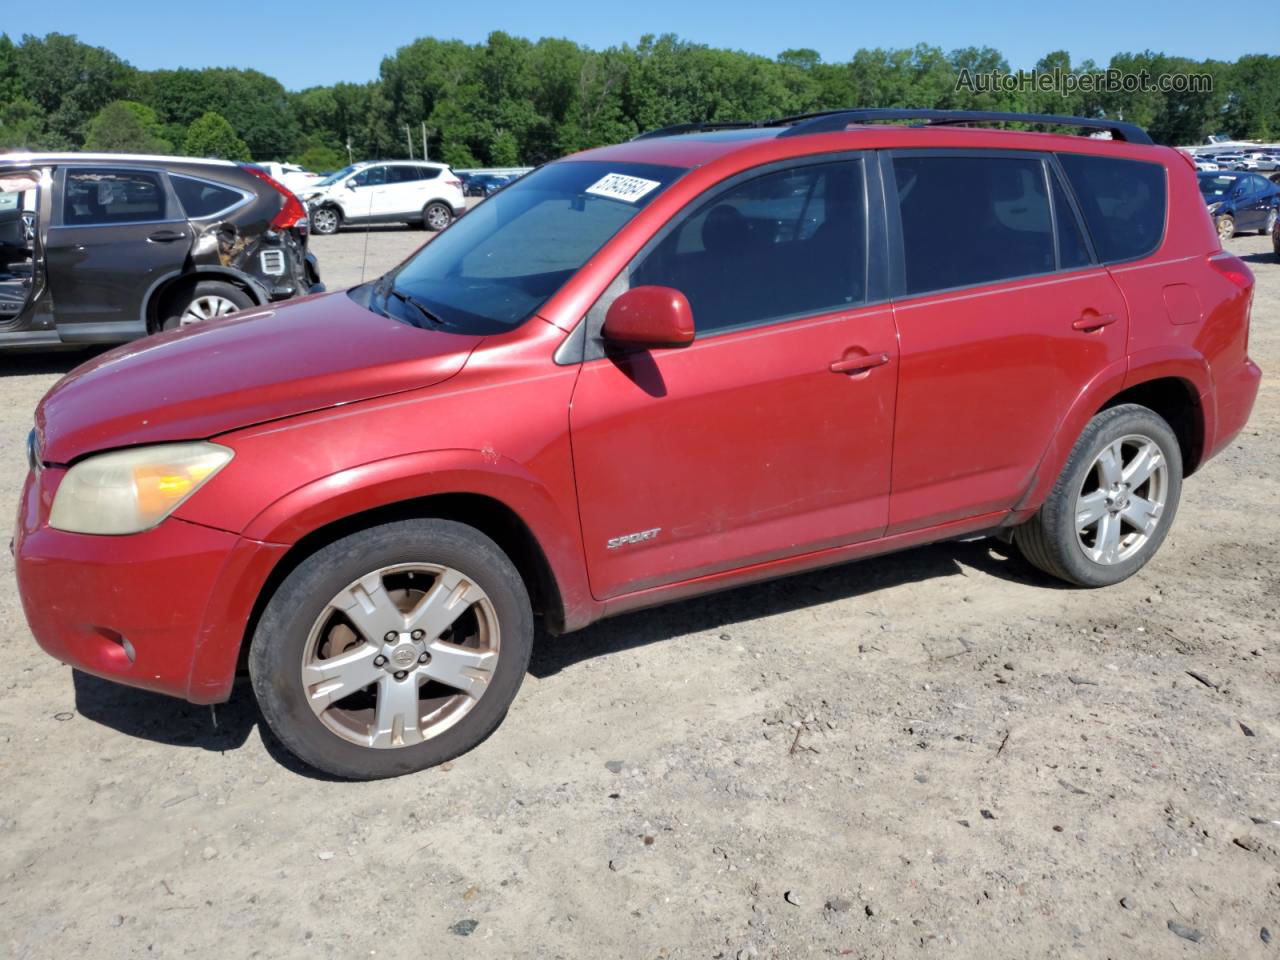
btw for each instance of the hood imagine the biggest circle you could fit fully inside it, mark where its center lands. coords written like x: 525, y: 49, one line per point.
x: 250, y: 368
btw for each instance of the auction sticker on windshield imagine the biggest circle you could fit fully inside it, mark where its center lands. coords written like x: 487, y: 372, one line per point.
x: 617, y: 186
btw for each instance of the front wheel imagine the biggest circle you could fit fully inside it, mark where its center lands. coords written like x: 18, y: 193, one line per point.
x: 1113, y: 503
x: 1226, y: 227
x: 437, y: 215
x: 393, y: 649
x: 326, y: 220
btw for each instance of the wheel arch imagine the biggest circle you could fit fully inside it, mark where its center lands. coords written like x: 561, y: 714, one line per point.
x: 164, y: 290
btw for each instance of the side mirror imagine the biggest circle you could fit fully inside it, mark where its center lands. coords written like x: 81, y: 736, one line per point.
x: 351, y: 184
x: 650, y: 317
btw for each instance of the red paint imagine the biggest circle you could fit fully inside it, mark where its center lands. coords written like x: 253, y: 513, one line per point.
x: 757, y: 453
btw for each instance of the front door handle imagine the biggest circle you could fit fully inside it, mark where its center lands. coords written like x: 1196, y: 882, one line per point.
x: 166, y: 236
x: 1094, y: 321
x: 856, y: 365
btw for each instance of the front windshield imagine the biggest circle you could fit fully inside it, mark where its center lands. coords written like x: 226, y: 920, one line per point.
x: 1217, y: 186
x: 496, y: 266
x: 335, y: 177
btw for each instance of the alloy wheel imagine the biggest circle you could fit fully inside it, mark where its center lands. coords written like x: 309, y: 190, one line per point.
x: 206, y: 308
x: 400, y: 655
x: 1226, y: 228
x: 1271, y: 223
x: 438, y: 216
x: 324, y: 220
x: 1122, y: 499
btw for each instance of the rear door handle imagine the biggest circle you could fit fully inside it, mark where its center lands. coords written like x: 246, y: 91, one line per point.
x: 1094, y: 321
x: 166, y: 236
x: 852, y: 365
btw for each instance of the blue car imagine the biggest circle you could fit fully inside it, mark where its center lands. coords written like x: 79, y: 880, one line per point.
x: 1240, y: 201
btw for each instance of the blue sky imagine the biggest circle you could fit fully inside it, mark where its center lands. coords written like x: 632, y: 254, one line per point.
x: 323, y: 41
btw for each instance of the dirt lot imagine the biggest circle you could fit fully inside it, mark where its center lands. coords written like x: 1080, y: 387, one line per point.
x: 936, y: 753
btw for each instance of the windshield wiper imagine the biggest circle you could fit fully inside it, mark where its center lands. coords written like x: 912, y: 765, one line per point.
x: 423, y: 310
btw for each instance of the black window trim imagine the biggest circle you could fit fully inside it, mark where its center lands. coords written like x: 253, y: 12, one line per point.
x: 1164, y: 227
x: 893, y: 219
x: 245, y: 196
x: 585, y: 343
x: 60, y: 190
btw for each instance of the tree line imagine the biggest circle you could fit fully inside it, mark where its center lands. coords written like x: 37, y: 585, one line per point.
x: 511, y: 101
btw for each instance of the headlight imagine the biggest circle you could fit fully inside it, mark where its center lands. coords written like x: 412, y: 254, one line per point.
x: 128, y: 491
x: 1215, y: 207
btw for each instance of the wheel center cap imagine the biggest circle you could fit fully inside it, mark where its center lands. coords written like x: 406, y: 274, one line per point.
x: 403, y: 656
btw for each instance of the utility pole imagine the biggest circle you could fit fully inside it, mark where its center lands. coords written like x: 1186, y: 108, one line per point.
x: 349, y: 160
x: 424, y: 140
x: 409, y: 140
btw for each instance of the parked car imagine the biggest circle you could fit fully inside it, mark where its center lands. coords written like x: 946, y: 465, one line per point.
x: 114, y: 247
x: 290, y: 174
x: 484, y: 184
x: 1205, y: 164
x: 1240, y: 201
x: 411, y: 191
x: 641, y: 373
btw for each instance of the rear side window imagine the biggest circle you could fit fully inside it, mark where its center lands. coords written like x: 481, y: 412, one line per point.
x: 972, y: 219
x: 403, y: 174
x: 1123, y: 202
x: 201, y: 199
x: 782, y: 245
x: 112, y: 196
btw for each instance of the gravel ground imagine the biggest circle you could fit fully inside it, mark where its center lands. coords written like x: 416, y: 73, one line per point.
x: 935, y: 753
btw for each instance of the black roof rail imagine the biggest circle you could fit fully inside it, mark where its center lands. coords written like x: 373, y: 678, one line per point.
x: 832, y: 121
x: 676, y: 129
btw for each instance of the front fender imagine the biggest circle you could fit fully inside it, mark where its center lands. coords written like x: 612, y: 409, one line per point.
x: 401, y: 479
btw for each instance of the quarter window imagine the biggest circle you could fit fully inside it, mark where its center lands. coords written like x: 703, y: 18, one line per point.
x: 201, y: 199
x: 972, y: 219
x: 112, y: 196
x: 1123, y: 202
x: 1073, y: 252
x: 782, y: 245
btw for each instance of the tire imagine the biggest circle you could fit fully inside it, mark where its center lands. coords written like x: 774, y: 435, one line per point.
x: 207, y: 300
x: 326, y: 220
x: 1226, y: 225
x: 437, y: 215
x: 1270, y: 224
x: 347, y: 737
x: 1051, y: 540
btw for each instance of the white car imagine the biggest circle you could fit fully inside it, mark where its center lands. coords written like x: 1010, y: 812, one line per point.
x: 291, y: 175
x: 416, y: 192
x: 1207, y: 165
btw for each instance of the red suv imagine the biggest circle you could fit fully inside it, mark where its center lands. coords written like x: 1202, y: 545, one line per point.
x: 689, y: 362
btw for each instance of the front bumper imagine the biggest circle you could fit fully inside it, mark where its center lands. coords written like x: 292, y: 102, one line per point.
x: 164, y: 610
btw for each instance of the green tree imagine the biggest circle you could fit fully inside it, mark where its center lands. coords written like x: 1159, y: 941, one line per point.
x: 212, y: 136
x: 69, y: 81
x: 126, y: 126
x: 22, y: 125
x: 321, y: 159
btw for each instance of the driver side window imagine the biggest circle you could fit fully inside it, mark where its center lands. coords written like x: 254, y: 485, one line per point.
x: 786, y: 244
x: 371, y: 177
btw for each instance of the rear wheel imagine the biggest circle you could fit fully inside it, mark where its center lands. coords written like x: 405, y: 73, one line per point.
x: 326, y: 220
x: 437, y: 215
x: 1113, y: 503
x: 393, y: 649
x: 1270, y: 224
x: 207, y: 300
x: 1226, y: 227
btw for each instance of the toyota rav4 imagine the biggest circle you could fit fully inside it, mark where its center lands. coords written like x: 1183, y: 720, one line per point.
x: 693, y: 361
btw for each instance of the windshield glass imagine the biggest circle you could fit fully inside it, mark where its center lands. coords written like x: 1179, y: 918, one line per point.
x: 1217, y: 186
x: 496, y: 266
x: 335, y: 177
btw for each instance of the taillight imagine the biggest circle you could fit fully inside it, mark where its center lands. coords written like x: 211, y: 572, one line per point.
x: 454, y: 183
x: 293, y: 213
x: 1233, y: 268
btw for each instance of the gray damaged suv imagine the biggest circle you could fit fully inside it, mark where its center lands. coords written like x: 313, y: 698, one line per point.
x: 105, y: 248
